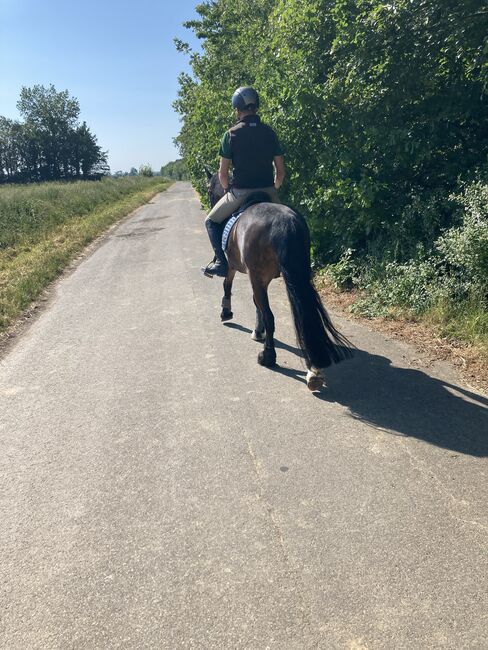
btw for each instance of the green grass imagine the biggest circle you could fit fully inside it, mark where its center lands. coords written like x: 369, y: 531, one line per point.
x: 44, y: 226
x: 417, y: 290
x: 467, y: 321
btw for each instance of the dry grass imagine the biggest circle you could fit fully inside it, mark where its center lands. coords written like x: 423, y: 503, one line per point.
x: 426, y: 335
x: 30, y: 264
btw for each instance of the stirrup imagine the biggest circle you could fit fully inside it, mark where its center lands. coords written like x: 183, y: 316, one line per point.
x: 210, y: 273
x: 205, y: 270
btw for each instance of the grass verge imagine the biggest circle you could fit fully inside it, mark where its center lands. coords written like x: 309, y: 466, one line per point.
x: 446, y: 332
x: 35, y: 259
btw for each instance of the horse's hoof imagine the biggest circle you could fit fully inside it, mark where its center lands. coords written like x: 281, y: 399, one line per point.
x: 258, y: 336
x: 226, y: 315
x: 267, y: 358
x: 314, y: 381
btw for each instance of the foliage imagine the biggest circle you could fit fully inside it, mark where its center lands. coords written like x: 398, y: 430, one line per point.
x: 50, y: 144
x: 345, y: 274
x: 381, y: 107
x: 465, y: 248
x: 176, y: 170
x: 413, y: 286
x: 455, y: 273
x: 146, y: 170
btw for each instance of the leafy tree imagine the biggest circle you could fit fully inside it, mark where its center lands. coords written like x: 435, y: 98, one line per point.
x: 381, y: 107
x: 50, y: 143
x: 9, y: 149
x: 146, y: 170
x: 51, y: 116
x: 176, y: 170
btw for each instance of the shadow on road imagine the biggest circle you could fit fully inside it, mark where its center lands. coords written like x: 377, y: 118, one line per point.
x: 409, y: 402
x: 404, y: 401
x: 278, y: 344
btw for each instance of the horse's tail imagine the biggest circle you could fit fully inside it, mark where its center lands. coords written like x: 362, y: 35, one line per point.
x: 317, y: 337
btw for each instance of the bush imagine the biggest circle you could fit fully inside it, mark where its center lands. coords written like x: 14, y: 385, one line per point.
x: 145, y: 170
x: 412, y: 286
x: 465, y: 248
x: 454, y: 272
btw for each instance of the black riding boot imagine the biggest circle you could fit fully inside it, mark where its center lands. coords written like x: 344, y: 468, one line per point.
x: 219, y: 266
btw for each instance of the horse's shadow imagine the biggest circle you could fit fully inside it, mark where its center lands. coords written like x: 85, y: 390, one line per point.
x: 404, y: 401
x: 277, y: 342
x: 409, y: 402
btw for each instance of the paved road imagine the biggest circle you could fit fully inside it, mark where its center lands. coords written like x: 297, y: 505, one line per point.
x: 159, y: 489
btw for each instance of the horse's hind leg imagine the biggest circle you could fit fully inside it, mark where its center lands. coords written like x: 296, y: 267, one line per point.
x: 226, y: 313
x: 258, y: 333
x: 268, y: 355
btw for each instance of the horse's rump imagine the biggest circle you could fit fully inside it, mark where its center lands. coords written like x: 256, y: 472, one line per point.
x: 275, y: 239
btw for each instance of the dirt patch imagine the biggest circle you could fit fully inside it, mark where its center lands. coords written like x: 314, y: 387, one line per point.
x: 425, y: 337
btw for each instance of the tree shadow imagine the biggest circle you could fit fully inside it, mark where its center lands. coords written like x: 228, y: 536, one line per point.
x: 409, y: 402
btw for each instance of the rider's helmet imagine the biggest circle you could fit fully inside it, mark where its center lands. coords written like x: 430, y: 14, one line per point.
x: 244, y: 98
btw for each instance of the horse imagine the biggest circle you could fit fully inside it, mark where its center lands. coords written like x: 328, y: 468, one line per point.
x: 269, y: 240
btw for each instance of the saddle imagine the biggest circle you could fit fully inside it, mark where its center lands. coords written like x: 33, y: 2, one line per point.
x: 252, y: 199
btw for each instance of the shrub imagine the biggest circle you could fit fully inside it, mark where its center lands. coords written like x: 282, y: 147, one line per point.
x: 413, y: 286
x: 465, y: 248
x: 145, y: 170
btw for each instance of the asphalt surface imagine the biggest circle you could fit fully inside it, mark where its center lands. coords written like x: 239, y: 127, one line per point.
x: 159, y: 489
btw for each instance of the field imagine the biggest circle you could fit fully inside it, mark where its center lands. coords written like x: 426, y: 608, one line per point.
x: 44, y: 226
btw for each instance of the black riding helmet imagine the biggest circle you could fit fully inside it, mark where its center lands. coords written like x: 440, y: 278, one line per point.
x: 245, y: 97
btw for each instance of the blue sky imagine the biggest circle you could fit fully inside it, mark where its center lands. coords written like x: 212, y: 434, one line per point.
x: 116, y: 57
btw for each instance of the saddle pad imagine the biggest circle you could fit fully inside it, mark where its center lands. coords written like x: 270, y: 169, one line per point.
x: 256, y: 197
x: 228, y: 227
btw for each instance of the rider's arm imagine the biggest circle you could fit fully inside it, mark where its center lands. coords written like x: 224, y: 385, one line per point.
x: 225, y: 153
x: 279, y: 163
x: 224, y: 172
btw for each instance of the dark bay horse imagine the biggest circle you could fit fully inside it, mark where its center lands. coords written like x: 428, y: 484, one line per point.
x: 270, y: 240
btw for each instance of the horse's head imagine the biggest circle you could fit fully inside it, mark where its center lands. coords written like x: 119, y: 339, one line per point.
x: 215, y: 190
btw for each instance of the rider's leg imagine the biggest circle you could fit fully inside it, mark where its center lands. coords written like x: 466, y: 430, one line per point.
x: 219, y: 265
x: 221, y: 211
x: 273, y: 194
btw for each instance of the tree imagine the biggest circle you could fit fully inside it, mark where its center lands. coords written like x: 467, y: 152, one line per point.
x: 50, y: 143
x: 51, y: 116
x: 87, y: 154
x: 175, y: 170
x: 145, y: 170
x: 10, y: 156
x: 381, y: 108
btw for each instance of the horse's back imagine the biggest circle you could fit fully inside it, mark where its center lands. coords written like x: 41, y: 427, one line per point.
x: 260, y: 232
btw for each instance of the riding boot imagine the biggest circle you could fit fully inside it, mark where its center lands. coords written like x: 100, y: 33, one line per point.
x: 219, y: 266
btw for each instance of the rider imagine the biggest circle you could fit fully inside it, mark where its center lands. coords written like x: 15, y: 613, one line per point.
x: 252, y: 147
